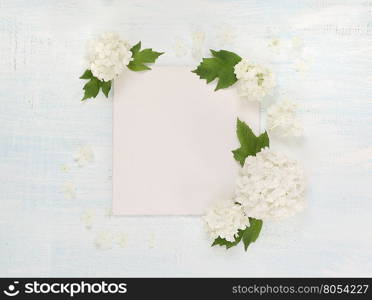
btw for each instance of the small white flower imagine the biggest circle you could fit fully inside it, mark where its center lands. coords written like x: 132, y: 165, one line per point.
x: 108, y: 213
x: 254, y: 81
x: 69, y: 189
x: 224, y: 220
x: 198, y: 39
x: 121, y: 240
x: 274, y: 42
x: 282, y: 119
x: 84, y: 155
x: 270, y: 186
x: 297, y: 42
x: 151, y: 241
x: 301, y: 66
x: 180, y: 48
x: 87, y: 218
x: 104, y: 240
x: 226, y: 35
x: 65, y: 168
x: 108, y: 56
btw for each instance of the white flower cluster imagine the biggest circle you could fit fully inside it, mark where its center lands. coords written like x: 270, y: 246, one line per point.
x: 108, y: 56
x: 254, y: 81
x: 270, y: 186
x: 225, y: 219
x: 282, y: 119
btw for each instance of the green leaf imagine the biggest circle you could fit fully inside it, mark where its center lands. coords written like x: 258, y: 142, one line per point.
x: 136, y: 48
x: 91, y: 89
x: 140, y: 58
x: 252, y: 232
x: 249, y: 235
x: 220, y: 66
x: 250, y: 144
x: 223, y: 242
x: 87, y: 75
x: 106, y: 87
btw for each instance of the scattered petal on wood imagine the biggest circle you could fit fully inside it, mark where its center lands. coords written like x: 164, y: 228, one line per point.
x: 88, y: 218
x: 198, y: 39
x: 180, y: 49
x: 65, y: 168
x: 84, y: 155
x: 121, y: 239
x: 274, y: 42
x: 226, y: 36
x: 301, y: 66
x: 69, y: 189
x: 103, y: 240
x: 151, y: 241
x: 297, y: 42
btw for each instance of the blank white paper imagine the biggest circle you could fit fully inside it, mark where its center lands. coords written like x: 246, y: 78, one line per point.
x: 172, y: 141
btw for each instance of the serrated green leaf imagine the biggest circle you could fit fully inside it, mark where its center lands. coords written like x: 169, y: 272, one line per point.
x: 91, y: 89
x: 87, y: 75
x: 220, y: 66
x: 140, y: 58
x: 250, y: 144
x: 106, y: 87
x: 252, y: 232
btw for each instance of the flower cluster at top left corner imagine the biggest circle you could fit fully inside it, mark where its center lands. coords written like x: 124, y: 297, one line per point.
x: 108, y: 57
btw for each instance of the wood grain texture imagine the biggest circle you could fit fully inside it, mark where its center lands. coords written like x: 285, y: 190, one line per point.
x: 321, y: 53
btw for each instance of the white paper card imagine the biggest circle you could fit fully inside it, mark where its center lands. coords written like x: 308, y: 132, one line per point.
x: 172, y: 142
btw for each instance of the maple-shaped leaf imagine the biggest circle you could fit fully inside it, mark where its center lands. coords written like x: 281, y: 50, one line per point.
x: 92, y: 87
x: 220, y: 66
x: 248, y: 235
x: 142, y: 57
x: 250, y: 144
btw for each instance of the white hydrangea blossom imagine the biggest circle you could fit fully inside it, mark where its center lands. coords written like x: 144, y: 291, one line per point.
x: 254, y: 81
x: 282, y: 119
x: 270, y: 186
x: 108, y: 56
x: 224, y: 219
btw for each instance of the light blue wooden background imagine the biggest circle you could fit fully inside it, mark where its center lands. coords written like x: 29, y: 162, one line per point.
x: 321, y: 52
